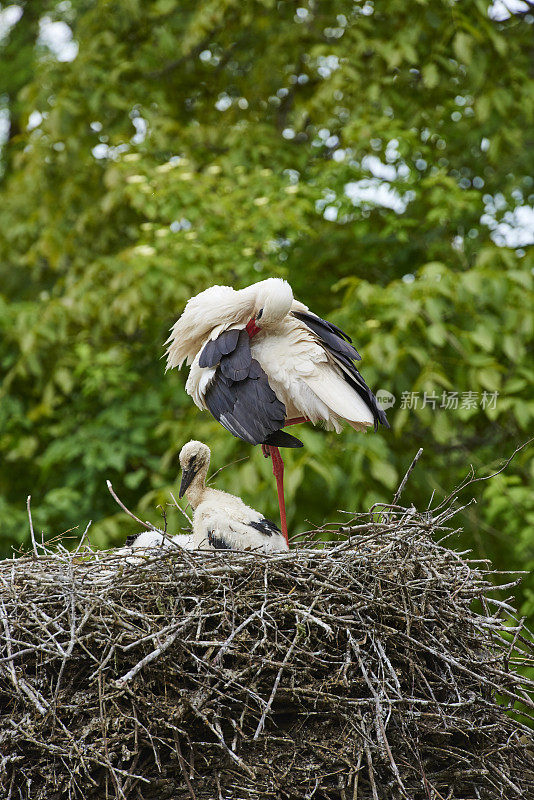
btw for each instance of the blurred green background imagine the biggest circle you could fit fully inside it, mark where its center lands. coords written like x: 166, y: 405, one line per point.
x: 378, y: 156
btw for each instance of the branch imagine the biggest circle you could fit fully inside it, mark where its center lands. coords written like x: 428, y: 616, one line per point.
x: 471, y: 480
x: 32, y: 534
x: 146, y: 525
x: 179, y: 507
x: 405, y: 479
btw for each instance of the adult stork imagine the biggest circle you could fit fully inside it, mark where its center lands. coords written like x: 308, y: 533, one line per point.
x: 261, y: 360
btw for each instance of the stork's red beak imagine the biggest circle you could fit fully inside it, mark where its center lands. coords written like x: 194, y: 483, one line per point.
x: 251, y: 328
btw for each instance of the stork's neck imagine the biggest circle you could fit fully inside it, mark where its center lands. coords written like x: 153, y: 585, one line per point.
x: 197, y: 488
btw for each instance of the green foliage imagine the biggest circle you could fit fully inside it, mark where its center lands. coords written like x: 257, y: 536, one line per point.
x: 191, y: 143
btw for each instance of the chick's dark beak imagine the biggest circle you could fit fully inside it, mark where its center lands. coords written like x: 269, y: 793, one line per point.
x: 187, y: 476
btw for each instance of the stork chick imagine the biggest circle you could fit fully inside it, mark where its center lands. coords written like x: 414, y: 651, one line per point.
x: 222, y: 521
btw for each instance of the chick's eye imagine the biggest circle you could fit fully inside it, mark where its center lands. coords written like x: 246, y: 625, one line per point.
x: 260, y: 312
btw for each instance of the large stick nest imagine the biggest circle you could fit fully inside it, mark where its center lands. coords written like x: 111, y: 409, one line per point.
x: 379, y: 667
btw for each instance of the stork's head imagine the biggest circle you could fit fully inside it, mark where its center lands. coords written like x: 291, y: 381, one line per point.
x: 194, y: 458
x: 273, y: 299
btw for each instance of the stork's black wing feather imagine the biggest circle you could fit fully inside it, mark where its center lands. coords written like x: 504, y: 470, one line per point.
x: 239, y: 395
x: 339, y: 344
x: 236, y: 364
x: 354, y: 379
x: 282, y: 439
x: 217, y: 542
x: 332, y: 337
x: 265, y: 526
x: 225, y: 343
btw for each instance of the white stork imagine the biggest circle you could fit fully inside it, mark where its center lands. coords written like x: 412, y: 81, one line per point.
x: 261, y: 360
x: 222, y: 521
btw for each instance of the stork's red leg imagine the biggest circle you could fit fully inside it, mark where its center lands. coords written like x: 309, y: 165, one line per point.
x: 278, y: 472
x: 296, y: 421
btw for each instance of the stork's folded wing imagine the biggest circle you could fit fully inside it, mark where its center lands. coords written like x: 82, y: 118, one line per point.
x: 238, y: 393
x: 339, y: 345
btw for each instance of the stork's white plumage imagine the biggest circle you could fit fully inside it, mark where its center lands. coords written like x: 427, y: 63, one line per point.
x: 222, y: 521
x: 261, y: 360
x: 148, y: 539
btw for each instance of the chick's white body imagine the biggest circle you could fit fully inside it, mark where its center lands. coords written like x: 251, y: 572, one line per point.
x: 222, y: 521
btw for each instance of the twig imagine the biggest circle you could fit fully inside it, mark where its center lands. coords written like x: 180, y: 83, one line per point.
x: 179, y: 507
x: 5, y: 623
x: 83, y: 537
x: 183, y: 766
x: 408, y: 473
x: 508, y: 460
x: 225, y: 466
x: 32, y: 534
x: 470, y: 480
x: 156, y: 653
x: 371, y: 770
x: 270, y: 701
x: 146, y: 525
x: 218, y: 733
